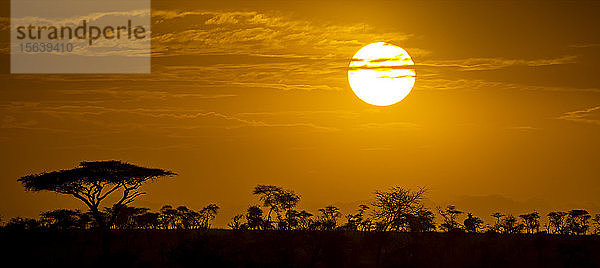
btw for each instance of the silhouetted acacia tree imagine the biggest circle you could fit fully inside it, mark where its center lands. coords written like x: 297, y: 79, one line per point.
x: 510, y: 225
x: 291, y: 221
x: 556, y: 222
x: 472, y: 223
x: 254, y: 217
x: 497, y: 225
x: 393, y: 207
x: 237, y: 224
x: 304, y: 220
x: 23, y: 224
x: 278, y: 200
x: 356, y: 221
x: 148, y: 220
x: 268, y: 194
x: 450, y: 215
x: 125, y: 216
x: 286, y: 216
x: 207, y: 214
x: 577, y: 221
x: 61, y: 219
x: 328, y: 217
x: 531, y: 222
x: 596, y: 224
x: 168, y: 217
x: 186, y: 218
x: 93, y: 182
x: 422, y: 221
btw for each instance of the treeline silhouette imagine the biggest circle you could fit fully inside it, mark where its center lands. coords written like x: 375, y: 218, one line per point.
x: 396, y: 209
x: 400, y: 209
x: 394, y: 229
x: 128, y: 218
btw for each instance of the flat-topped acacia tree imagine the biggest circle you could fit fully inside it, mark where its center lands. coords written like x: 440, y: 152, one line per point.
x: 93, y: 182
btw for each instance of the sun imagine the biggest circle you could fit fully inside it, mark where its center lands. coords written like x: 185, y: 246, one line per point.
x: 381, y: 74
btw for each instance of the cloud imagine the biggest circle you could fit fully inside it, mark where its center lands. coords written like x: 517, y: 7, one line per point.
x: 253, y: 33
x: 434, y: 83
x: 337, y: 114
x: 382, y: 68
x: 296, y: 75
x: 523, y: 128
x: 480, y: 64
x: 305, y: 75
x: 133, y: 94
x: 390, y: 59
x: 97, y: 119
x: 388, y: 125
x: 398, y: 76
x: 278, y: 51
x: 12, y: 122
x: 590, y: 45
x: 76, y: 20
x: 590, y: 116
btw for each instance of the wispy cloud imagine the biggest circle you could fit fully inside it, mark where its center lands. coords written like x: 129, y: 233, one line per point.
x: 140, y: 94
x: 435, y: 82
x: 95, y: 118
x: 12, y: 122
x: 258, y: 33
x: 279, y: 51
x: 590, y: 116
x: 590, y: 45
x: 297, y: 75
x: 388, y: 125
x: 480, y: 64
x: 523, y: 128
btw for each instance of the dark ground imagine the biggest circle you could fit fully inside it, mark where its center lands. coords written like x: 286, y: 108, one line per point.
x: 225, y: 248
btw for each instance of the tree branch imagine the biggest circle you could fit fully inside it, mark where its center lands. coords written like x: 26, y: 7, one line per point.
x: 110, y: 191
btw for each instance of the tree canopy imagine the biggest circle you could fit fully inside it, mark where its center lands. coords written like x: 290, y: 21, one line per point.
x: 92, y: 182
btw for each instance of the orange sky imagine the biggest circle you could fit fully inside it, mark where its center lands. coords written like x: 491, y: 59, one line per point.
x: 504, y: 115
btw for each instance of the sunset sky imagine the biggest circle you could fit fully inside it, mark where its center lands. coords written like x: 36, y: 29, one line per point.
x: 504, y: 114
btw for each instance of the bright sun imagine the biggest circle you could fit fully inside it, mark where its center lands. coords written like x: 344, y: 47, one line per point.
x: 381, y: 74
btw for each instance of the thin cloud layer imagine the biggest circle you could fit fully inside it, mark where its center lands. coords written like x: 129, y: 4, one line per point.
x: 481, y: 64
x: 261, y: 34
x: 589, y: 116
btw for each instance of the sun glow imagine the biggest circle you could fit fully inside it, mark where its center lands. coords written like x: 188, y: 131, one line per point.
x: 381, y: 74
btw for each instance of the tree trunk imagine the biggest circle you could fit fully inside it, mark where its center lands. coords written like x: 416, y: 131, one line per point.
x: 113, y: 215
x: 98, y: 217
